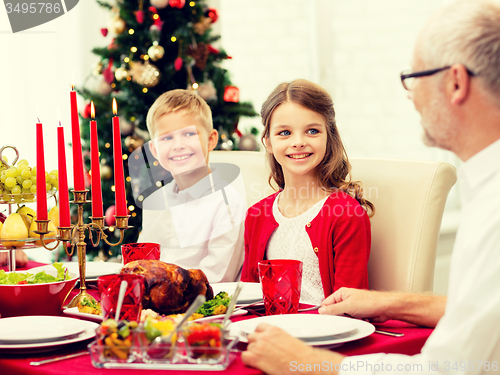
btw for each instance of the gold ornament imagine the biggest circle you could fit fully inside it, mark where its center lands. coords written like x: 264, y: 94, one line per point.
x: 116, y: 25
x: 133, y: 142
x: 156, y: 52
x: 121, y: 73
x: 106, y: 172
x: 248, y: 143
x: 97, y: 69
x: 146, y: 74
x: 203, y: 25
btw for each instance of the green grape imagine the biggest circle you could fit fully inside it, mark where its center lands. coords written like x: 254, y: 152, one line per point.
x: 48, y: 186
x: 11, y: 172
x: 46, y: 176
x: 21, y: 168
x: 26, y: 174
x: 10, y: 182
x: 33, y: 179
x: 26, y: 191
x: 33, y: 171
x: 16, y: 190
x: 3, y: 178
x: 5, y: 159
x: 33, y: 189
x: 19, y: 180
x: 22, y: 161
x: 54, y: 172
x: 53, y: 180
x: 27, y: 184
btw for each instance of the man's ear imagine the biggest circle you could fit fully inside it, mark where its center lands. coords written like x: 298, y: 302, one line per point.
x: 459, y: 85
x: 213, y: 138
x: 153, y: 149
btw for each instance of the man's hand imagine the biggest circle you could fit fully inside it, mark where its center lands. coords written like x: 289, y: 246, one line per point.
x: 274, y: 351
x: 21, y: 258
x: 360, y: 304
x: 421, y: 309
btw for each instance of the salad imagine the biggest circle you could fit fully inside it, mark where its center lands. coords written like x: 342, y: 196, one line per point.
x: 17, y: 278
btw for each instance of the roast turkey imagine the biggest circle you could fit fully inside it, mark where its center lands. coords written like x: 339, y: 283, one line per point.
x: 169, y: 289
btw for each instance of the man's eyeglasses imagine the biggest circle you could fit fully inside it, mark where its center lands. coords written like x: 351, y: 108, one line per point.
x: 408, y: 79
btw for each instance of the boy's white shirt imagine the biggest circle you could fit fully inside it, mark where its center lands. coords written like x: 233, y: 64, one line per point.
x: 196, y: 228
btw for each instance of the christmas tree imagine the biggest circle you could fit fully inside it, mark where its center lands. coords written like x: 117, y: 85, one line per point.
x: 157, y: 45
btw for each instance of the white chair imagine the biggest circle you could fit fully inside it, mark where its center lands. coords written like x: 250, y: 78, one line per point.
x: 409, y: 198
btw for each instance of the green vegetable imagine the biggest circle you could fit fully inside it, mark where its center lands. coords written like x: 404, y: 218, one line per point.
x: 207, y: 309
x: 14, y: 278
x: 90, y: 302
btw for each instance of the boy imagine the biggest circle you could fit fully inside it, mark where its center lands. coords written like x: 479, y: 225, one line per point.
x: 197, y: 218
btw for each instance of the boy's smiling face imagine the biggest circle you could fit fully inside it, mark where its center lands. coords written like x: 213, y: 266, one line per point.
x: 182, y: 142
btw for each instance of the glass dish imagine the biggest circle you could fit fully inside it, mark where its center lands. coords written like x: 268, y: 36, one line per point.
x: 7, y: 198
x: 179, y: 360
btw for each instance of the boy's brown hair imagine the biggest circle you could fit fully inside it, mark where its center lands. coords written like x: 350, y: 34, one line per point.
x: 179, y: 100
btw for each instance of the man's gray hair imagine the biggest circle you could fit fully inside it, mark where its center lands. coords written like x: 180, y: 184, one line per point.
x: 466, y: 32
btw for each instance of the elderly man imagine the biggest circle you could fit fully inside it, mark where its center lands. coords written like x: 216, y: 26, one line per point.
x: 455, y: 86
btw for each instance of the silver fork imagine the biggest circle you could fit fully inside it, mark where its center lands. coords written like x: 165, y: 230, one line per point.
x: 310, y: 308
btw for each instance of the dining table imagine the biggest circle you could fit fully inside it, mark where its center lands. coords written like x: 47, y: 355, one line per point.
x: 18, y: 364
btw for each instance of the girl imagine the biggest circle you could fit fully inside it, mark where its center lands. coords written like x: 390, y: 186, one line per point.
x: 317, y: 216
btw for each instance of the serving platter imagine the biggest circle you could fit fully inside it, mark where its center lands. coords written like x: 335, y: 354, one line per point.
x: 251, y: 292
x: 73, y: 311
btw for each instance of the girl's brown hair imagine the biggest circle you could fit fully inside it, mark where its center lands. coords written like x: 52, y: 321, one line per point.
x: 335, y: 167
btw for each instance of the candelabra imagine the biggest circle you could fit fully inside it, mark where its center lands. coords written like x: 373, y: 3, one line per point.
x: 75, y: 236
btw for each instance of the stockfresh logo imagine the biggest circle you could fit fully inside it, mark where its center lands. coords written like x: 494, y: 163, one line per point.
x: 26, y: 14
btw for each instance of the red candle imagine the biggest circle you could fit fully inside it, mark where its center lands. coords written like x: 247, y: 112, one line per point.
x: 97, y: 210
x: 41, y: 188
x: 120, y: 200
x: 64, y: 219
x: 79, y: 181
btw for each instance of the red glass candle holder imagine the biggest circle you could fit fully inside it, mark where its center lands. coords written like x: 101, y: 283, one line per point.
x: 281, y: 281
x: 109, y: 287
x: 140, y: 251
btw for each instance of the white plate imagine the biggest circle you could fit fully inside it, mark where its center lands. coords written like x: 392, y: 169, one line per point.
x: 88, y: 333
x: 361, y: 328
x: 251, y: 292
x: 92, y: 271
x: 36, y: 329
x: 73, y: 311
x: 308, y: 327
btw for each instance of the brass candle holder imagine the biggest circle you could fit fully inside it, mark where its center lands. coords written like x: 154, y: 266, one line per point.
x: 75, y: 236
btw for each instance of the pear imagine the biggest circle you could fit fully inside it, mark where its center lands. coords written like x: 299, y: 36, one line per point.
x: 31, y: 213
x: 13, y: 228
x: 52, y: 233
x: 53, y: 215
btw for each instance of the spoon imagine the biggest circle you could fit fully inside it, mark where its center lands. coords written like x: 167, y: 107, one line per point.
x: 230, y: 308
x: 121, y: 296
x: 200, y: 300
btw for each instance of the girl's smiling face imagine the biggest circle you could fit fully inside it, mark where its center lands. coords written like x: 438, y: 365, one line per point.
x: 297, y: 139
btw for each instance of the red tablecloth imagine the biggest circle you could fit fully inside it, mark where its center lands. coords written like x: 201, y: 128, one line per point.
x: 411, y: 343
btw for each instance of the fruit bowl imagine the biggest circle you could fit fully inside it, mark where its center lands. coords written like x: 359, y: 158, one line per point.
x: 7, y: 198
x: 35, y: 299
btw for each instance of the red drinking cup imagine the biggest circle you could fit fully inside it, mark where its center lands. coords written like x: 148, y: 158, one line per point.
x: 281, y: 281
x: 140, y: 251
x: 109, y: 287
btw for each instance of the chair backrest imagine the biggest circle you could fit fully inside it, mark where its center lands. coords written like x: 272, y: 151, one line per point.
x: 254, y: 170
x: 409, y: 198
